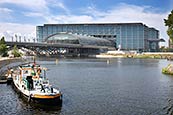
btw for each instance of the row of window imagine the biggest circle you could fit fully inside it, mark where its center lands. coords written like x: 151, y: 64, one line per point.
x: 128, y: 36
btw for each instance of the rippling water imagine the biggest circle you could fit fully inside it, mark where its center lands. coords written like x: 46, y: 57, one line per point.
x: 94, y: 87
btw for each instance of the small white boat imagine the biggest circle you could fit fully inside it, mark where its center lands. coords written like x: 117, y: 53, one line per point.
x: 30, y: 81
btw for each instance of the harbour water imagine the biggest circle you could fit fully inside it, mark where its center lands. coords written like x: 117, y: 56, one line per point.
x: 123, y: 86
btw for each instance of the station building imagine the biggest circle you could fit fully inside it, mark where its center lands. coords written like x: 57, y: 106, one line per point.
x: 127, y: 36
x: 69, y: 38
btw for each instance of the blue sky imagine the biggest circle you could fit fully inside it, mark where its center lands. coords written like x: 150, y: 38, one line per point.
x: 22, y: 16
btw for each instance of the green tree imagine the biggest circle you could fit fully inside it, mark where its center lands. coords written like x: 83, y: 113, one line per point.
x: 169, y: 23
x: 3, y: 48
x: 16, y: 52
x: 2, y: 41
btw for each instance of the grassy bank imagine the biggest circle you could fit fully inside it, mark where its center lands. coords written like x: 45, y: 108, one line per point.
x: 168, y: 70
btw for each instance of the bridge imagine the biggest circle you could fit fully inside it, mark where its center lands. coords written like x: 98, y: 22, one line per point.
x: 54, y: 48
x: 56, y: 45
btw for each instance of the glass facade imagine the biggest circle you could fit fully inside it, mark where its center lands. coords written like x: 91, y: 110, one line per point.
x: 129, y: 36
x: 69, y: 38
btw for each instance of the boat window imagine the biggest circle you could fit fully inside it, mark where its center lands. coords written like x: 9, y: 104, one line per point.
x: 26, y: 71
x: 45, y: 82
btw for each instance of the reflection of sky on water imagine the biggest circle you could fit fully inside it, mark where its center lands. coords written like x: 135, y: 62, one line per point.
x: 93, y: 86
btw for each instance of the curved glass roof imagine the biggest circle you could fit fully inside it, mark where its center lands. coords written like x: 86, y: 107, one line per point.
x: 78, y: 39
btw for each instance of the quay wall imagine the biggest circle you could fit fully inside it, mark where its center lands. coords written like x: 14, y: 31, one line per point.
x: 6, y: 63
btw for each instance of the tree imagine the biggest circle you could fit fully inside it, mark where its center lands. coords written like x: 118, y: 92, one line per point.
x: 2, y: 41
x: 169, y: 23
x: 3, y: 48
x: 16, y: 52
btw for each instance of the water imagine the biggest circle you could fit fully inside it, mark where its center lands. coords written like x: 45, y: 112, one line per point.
x: 93, y: 87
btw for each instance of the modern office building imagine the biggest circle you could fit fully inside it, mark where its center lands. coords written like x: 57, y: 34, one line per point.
x: 127, y: 36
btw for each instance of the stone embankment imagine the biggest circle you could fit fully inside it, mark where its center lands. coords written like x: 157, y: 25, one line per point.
x: 6, y: 63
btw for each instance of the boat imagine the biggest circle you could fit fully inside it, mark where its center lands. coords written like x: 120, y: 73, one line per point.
x: 31, y: 82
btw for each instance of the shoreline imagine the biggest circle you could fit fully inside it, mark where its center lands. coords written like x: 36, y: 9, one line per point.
x: 147, y: 55
x: 6, y: 63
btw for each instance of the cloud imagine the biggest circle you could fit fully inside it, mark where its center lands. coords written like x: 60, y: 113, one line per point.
x: 41, y: 6
x: 131, y: 13
x: 121, y: 13
x: 23, y: 28
x: 5, y: 10
x: 61, y: 5
x: 69, y: 19
x: 58, y: 4
x: 10, y: 29
x: 33, y: 14
x: 5, y: 14
x: 35, y: 5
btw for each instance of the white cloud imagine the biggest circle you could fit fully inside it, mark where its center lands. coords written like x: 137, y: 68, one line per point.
x: 59, y: 4
x: 123, y: 13
x: 5, y: 10
x: 33, y: 14
x: 34, y: 5
x: 118, y: 14
x: 41, y: 6
x: 5, y: 13
x: 131, y: 13
x: 36, y: 8
x: 14, y: 27
x: 69, y: 19
x: 10, y: 29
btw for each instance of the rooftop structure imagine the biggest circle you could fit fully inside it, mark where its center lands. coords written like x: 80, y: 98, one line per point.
x: 68, y: 38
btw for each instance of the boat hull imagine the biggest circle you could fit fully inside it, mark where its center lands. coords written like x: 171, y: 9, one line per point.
x: 56, y: 100
x: 49, y: 101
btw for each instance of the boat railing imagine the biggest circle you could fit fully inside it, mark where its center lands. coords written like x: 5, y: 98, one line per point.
x: 26, y: 83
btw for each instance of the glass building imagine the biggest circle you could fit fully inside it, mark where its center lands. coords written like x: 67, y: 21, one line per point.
x: 68, y: 38
x: 127, y: 36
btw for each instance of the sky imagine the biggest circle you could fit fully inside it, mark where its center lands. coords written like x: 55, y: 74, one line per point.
x: 21, y: 17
